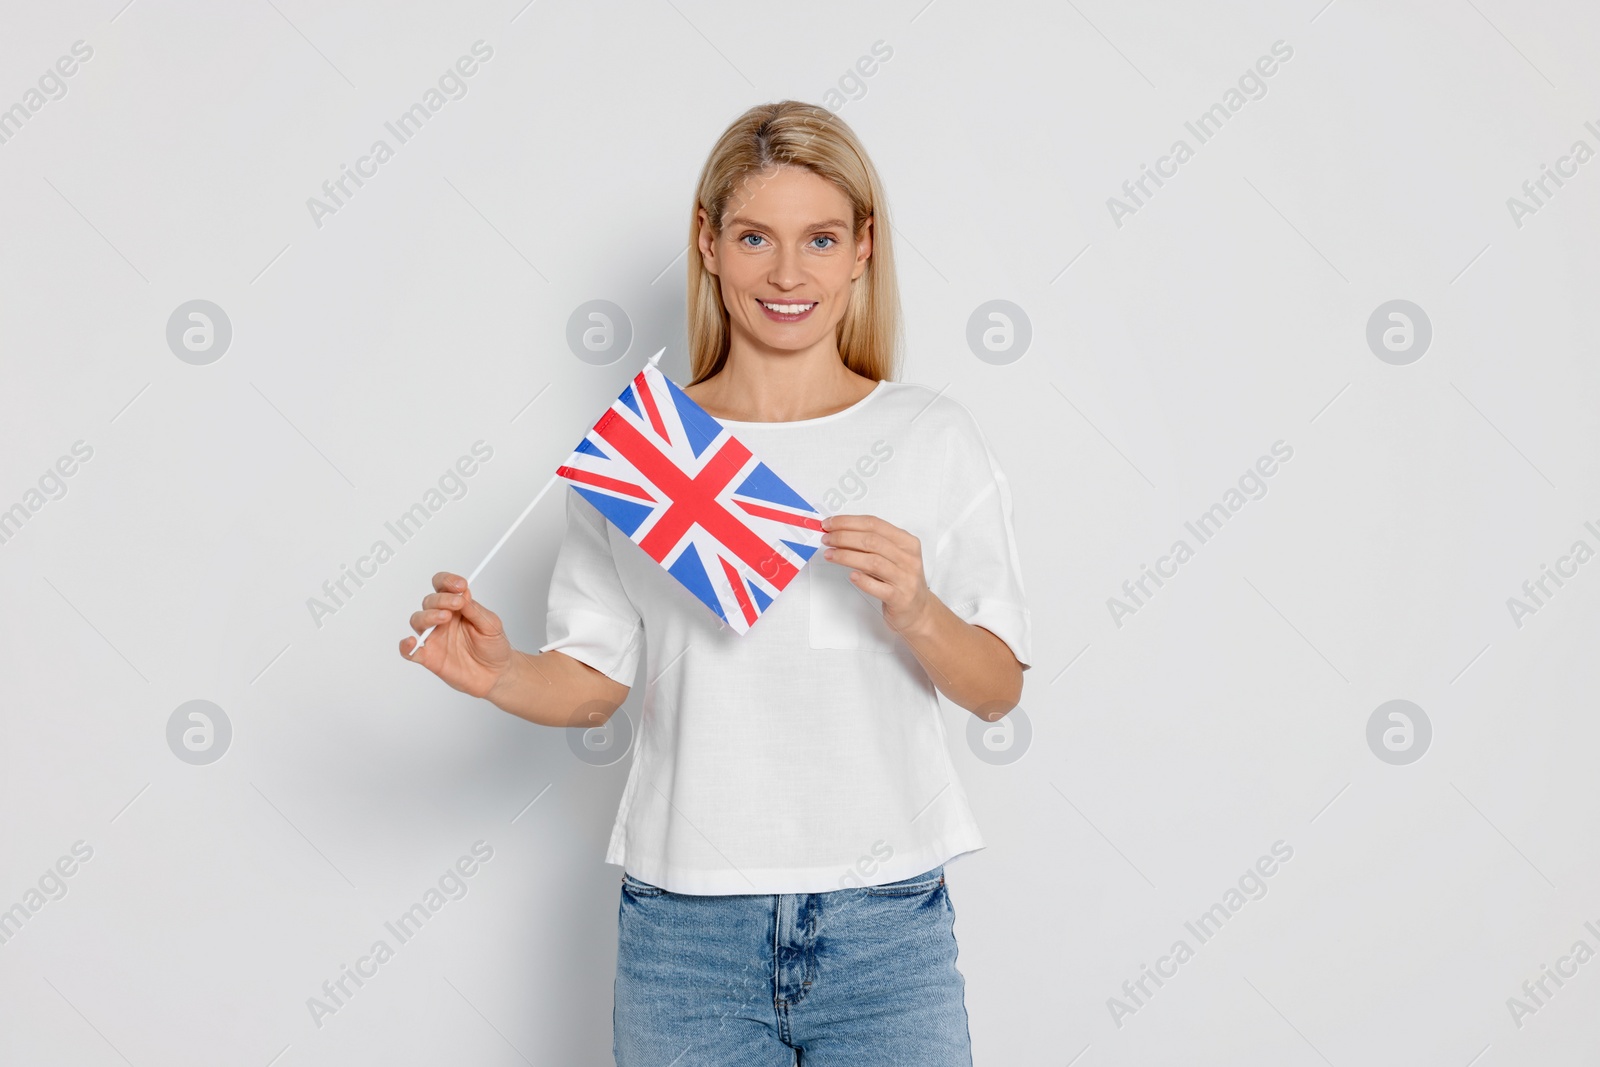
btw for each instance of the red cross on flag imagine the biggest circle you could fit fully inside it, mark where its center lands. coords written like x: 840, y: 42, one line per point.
x: 690, y: 494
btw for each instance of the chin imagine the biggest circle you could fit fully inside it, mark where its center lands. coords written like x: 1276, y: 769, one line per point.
x: 767, y: 335
x: 788, y: 343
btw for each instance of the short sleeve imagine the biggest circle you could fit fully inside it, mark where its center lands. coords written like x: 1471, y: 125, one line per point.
x: 975, y: 569
x: 590, y: 616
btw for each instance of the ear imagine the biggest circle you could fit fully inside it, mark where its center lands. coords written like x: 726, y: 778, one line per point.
x: 863, y: 249
x: 706, y: 241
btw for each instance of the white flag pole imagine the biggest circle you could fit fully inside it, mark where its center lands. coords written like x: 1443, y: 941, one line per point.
x: 422, y: 640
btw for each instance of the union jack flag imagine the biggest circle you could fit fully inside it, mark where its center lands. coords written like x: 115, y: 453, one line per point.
x: 690, y: 494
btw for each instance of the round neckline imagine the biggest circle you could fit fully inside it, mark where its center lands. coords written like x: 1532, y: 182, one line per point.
x: 841, y: 413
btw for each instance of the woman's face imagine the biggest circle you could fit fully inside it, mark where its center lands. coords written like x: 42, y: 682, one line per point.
x: 785, y: 259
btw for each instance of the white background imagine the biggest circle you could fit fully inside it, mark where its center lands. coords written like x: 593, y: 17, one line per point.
x: 1167, y: 354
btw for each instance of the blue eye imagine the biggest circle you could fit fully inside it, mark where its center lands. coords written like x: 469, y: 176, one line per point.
x: 757, y: 236
x: 825, y: 237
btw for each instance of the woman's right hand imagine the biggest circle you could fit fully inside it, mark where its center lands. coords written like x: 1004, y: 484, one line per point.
x: 468, y: 647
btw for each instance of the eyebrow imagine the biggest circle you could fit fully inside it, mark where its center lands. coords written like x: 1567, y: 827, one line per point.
x: 825, y: 224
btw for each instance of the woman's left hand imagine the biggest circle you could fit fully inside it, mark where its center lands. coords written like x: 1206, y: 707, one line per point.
x: 886, y: 563
x: 966, y: 662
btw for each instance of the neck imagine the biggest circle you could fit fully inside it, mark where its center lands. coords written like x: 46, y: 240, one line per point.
x: 765, y: 385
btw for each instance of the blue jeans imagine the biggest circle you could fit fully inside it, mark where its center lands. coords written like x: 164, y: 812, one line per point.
x: 844, y: 978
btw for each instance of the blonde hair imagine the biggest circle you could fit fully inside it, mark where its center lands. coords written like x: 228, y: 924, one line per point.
x: 792, y: 133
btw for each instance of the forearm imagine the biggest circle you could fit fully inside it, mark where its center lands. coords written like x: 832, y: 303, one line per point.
x: 553, y: 689
x: 968, y: 664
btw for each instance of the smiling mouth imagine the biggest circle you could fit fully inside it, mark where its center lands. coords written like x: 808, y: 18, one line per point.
x: 787, y: 311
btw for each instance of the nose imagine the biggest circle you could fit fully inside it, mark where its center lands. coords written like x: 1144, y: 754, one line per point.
x: 787, y: 271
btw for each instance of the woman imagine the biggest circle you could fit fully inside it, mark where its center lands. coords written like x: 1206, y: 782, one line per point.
x: 792, y: 801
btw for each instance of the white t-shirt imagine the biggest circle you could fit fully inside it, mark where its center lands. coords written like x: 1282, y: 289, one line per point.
x: 809, y: 754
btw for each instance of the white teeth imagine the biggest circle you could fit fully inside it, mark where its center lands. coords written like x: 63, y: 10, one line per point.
x: 787, y: 309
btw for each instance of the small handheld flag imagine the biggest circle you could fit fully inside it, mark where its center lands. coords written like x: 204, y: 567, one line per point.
x: 684, y: 489
x: 423, y: 638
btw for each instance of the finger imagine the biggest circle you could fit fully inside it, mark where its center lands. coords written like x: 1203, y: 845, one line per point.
x: 408, y: 645
x: 421, y: 620
x: 862, y: 540
x: 431, y: 655
x: 873, y: 587
x: 480, y: 618
x: 446, y: 582
x: 869, y: 524
x: 858, y: 522
x: 878, y: 566
x: 906, y: 562
x: 451, y: 601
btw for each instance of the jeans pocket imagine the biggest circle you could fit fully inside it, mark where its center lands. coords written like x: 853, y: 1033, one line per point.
x: 639, y: 888
x: 917, y: 884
